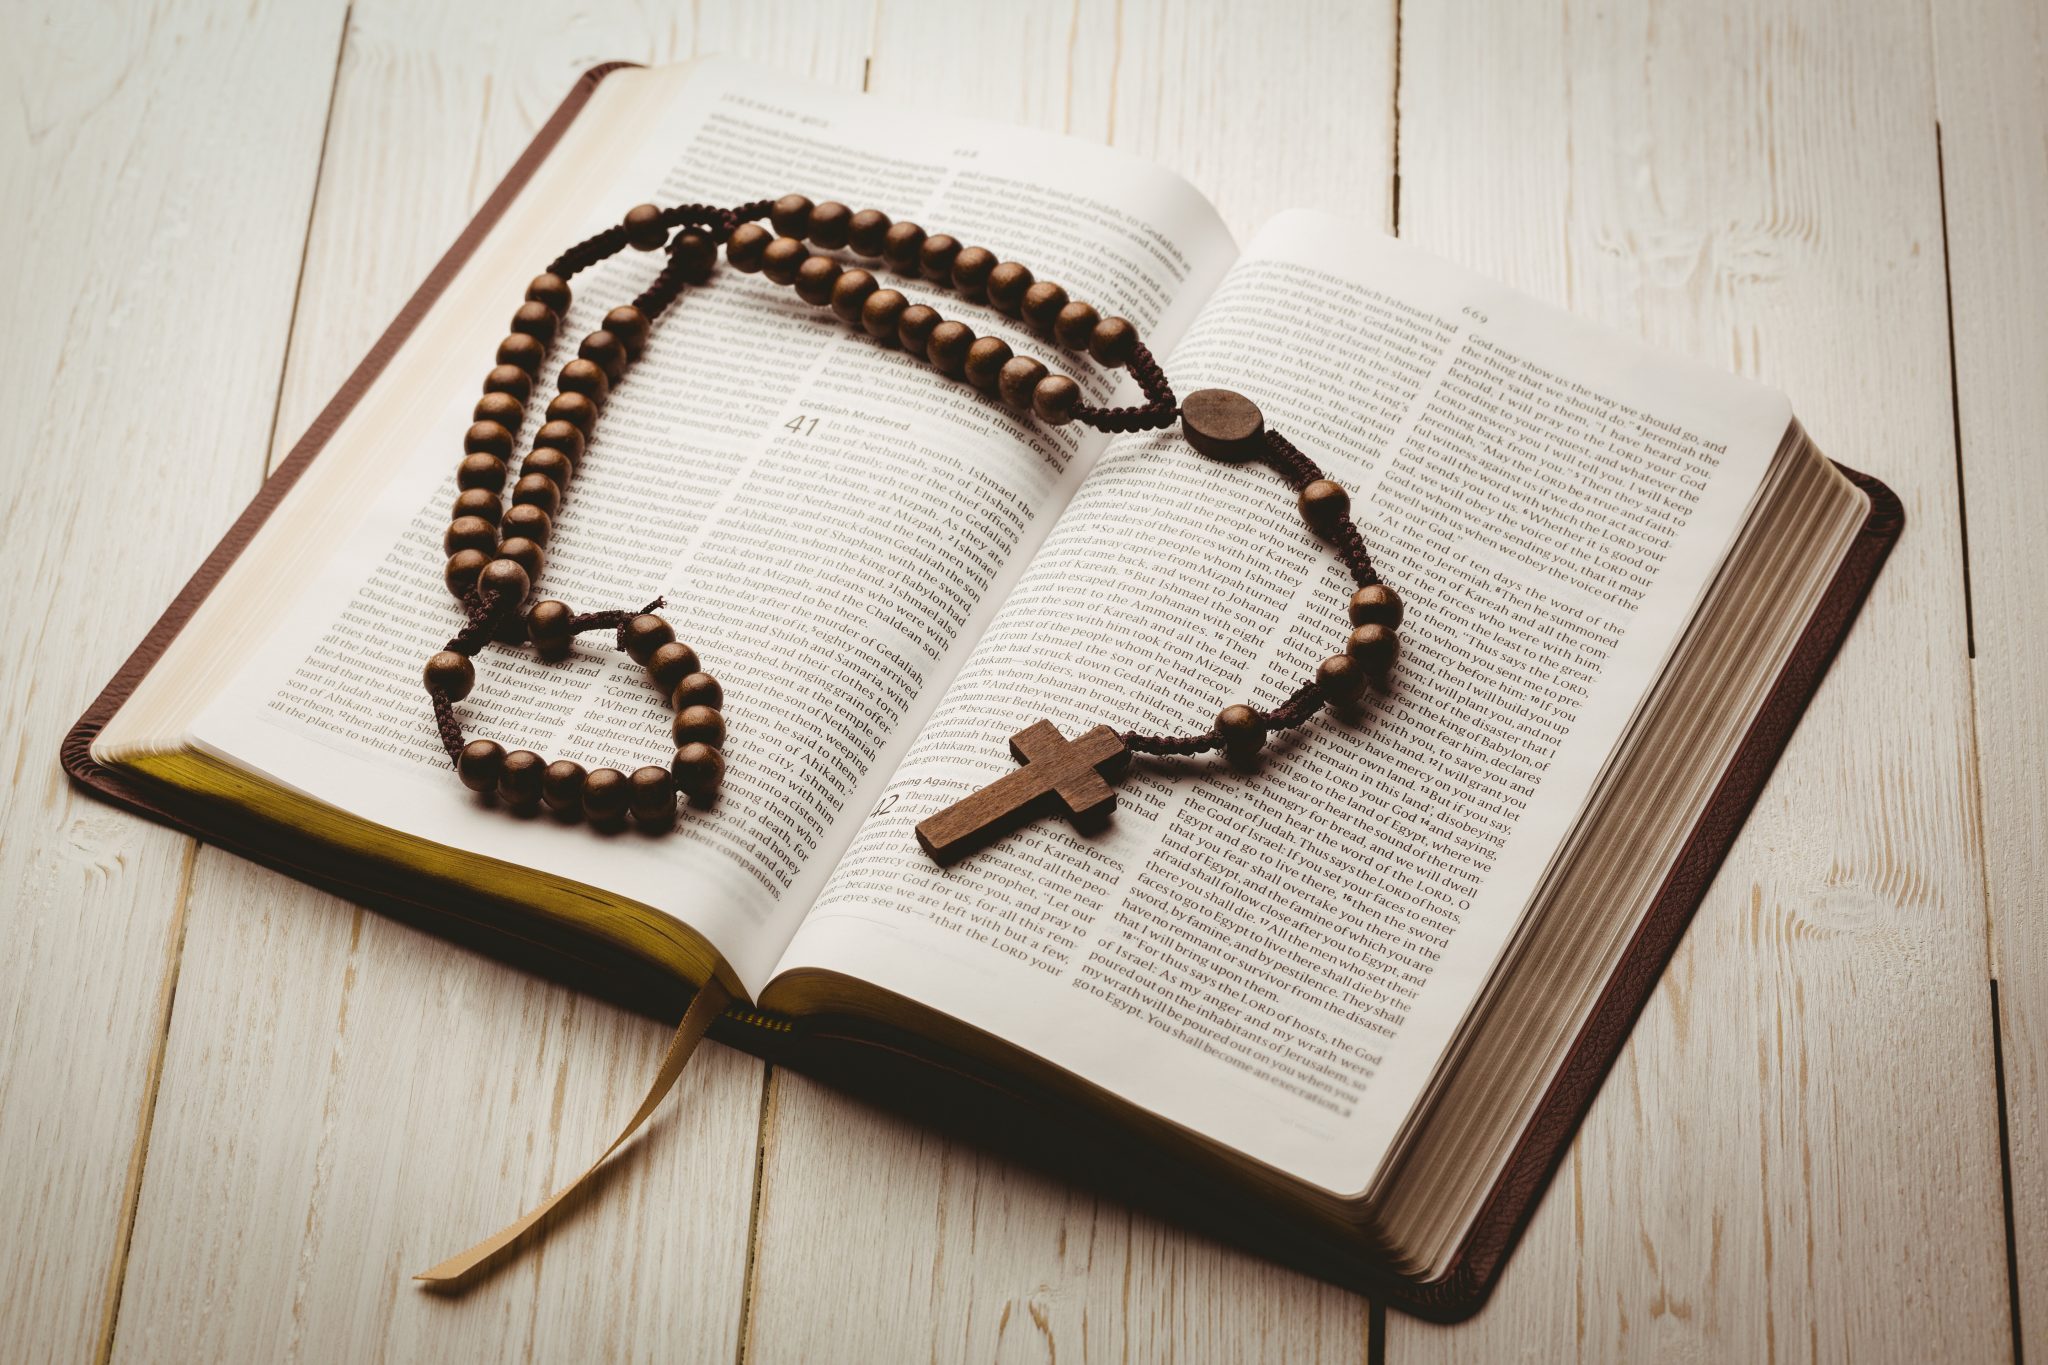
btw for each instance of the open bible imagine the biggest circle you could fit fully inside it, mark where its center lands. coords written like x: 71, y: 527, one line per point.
x: 1347, y: 1008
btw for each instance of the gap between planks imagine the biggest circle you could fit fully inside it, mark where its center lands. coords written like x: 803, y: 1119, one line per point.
x: 138, y: 1163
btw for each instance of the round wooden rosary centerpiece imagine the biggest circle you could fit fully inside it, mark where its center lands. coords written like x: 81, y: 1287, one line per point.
x: 496, y: 552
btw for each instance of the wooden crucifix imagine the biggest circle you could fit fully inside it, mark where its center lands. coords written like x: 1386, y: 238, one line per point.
x: 1070, y: 777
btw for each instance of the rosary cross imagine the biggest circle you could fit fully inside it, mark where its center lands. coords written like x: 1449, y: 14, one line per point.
x: 1070, y: 777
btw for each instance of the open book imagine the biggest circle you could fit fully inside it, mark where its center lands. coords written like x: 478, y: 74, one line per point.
x: 1345, y: 990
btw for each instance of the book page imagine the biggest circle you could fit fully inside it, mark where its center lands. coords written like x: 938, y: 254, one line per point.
x: 829, y: 519
x: 1276, y: 960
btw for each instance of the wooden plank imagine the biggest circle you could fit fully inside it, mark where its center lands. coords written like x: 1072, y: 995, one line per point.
x: 1796, y: 1154
x: 346, y: 1100
x: 942, y: 1251
x: 148, y: 302
x: 1991, y: 75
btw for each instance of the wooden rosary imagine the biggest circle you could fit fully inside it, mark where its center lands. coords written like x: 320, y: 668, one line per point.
x: 495, y: 553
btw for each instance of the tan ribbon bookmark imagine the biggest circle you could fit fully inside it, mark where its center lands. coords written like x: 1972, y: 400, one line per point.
x: 710, y: 1003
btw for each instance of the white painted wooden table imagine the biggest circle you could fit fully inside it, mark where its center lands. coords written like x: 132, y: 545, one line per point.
x: 220, y: 1137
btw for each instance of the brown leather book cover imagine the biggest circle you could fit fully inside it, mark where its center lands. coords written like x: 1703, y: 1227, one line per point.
x: 910, y: 1074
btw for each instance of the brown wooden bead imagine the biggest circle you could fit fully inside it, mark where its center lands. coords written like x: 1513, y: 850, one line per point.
x: 574, y: 408
x: 502, y: 408
x: 529, y: 522
x: 1223, y: 425
x: 1074, y: 326
x: 605, y: 793
x: 537, y: 320
x: 585, y: 377
x: 644, y: 228
x: 538, y: 490
x: 697, y: 689
x: 554, y: 463
x: 1114, y: 343
x: 935, y: 258
x: 746, y: 246
x: 488, y: 437
x: 645, y: 633
x: 1376, y: 648
x: 478, y: 502
x: 1377, y: 605
x: 783, y: 258
x: 1243, y: 732
x: 605, y: 351
x: 985, y: 361
x: 630, y: 326
x: 914, y: 328
x: 522, y: 350
x: 550, y: 289
x: 561, y: 787
x: 561, y: 435
x: 1042, y: 304
x: 510, y: 379
x: 850, y: 294
x: 1324, y: 505
x: 948, y: 346
x: 1007, y: 284
x: 519, y: 779
x: 1019, y: 379
x: 451, y: 674
x: 651, y: 795
x: 699, y: 770
x: 867, y: 232
x: 693, y: 255
x: 547, y: 626
x: 670, y: 664
x: 1341, y: 679
x: 971, y: 271
x: 1055, y: 399
x: 469, y: 533
x: 504, y: 580
x: 882, y: 314
x: 700, y: 725
x: 480, y: 471
x: 524, y: 553
x: 815, y: 278
x: 791, y: 215
x: 481, y: 764
x: 901, y: 245
x: 462, y: 569
x: 829, y: 224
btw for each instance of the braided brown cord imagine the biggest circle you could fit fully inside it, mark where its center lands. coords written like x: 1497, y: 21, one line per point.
x: 667, y: 287
x: 480, y: 623
x: 589, y: 252
x: 1297, y: 710
x: 744, y: 213
x: 1172, y: 746
x: 1159, y: 409
x: 445, y: 722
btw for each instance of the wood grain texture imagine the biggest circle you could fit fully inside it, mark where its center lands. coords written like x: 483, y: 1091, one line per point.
x: 1991, y: 75
x: 350, y: 1100
x: 1796, y: 1154
x: 1059, y: 777
x: 133, y: 277
x: 877, y: 1241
